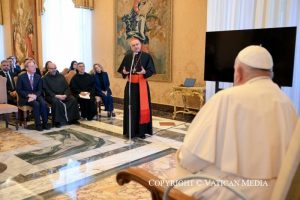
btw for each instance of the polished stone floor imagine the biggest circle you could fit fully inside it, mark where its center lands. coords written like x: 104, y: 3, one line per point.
x: 81, y: 161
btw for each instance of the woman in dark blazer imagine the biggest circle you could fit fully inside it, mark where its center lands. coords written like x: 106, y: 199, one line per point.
x: 102, y: 88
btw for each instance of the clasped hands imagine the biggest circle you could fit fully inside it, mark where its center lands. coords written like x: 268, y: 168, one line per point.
x: 61, y: 96
x: 143, y: 71
x: 13, y: 94
x: 31, y: 97
x: 84, y: 93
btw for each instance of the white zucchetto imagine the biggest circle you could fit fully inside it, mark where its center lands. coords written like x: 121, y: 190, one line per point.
x: 256, y: 57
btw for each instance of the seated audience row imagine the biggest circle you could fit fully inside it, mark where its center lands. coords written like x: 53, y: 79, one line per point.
x: 35, y: 90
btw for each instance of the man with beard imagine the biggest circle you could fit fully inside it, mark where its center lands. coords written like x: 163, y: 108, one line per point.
x: 64, y: 105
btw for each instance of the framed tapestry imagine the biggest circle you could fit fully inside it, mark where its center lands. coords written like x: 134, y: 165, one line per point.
x: 151, y: 22
x: 24, y: 29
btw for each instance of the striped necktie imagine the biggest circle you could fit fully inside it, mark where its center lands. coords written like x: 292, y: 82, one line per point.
x: 31, y: 81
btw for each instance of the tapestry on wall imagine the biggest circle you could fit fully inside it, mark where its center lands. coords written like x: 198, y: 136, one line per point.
x: 151, y: 22
x: 23, y: 22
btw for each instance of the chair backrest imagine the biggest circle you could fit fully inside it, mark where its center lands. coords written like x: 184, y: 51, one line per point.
x: 3, y: 90
x: 69, y: 76
x: 65, y: 71
x: 289, y: 170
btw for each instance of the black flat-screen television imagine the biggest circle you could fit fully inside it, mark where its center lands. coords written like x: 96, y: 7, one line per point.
x: 222, y: 48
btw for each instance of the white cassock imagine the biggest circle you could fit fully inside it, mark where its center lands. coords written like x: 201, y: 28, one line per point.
x: 242, y: 133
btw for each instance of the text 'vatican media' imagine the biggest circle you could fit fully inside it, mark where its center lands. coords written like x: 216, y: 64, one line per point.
x: 211, y: 183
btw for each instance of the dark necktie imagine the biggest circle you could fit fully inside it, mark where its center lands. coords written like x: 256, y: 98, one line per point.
x: 31, y: 81
x: 10, y: 81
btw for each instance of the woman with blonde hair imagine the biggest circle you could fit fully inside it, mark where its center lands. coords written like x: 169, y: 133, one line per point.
x: 103, y: 90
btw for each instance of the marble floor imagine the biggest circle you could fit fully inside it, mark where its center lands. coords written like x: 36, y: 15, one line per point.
x: 81, y: 161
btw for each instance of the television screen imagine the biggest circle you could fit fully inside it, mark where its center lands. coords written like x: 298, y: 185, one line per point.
x: 222, y: 48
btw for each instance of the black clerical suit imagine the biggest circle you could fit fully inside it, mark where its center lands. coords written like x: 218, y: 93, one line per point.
x: 24, y: 88
x: 84, y: 83
x: 139, y: 127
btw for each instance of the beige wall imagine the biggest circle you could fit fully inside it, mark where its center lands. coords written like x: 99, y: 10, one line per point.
x: 189, y: 26
x: 7, y: 28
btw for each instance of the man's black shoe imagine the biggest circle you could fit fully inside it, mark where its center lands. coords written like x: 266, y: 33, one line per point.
x: 142, y: 136
x: 74, y: 122
x: 39, y: 128
x: 46, y: 127
x: 113, y: 114
x: 57, y: 125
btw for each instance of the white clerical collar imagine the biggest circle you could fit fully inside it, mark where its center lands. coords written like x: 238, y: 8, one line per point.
x: 257, y: 79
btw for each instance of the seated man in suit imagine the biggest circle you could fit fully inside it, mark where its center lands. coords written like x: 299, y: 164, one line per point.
x: 14, y: 67
x: 29, y: 89
x: 242, y: 133
x: 10, y: 85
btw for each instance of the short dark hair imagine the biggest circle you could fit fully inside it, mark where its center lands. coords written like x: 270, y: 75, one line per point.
x: 80, y: 63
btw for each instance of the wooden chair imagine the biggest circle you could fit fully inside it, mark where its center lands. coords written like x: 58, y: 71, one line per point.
x: 286, y: 187
x: 64, y: 71
x: 143, y: 177
x: 99, y: 104
x: 69, y: 76
x: 25, y: 110
x: 5, y: 108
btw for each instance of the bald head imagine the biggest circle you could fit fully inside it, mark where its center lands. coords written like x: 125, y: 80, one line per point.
x: 52, y: 68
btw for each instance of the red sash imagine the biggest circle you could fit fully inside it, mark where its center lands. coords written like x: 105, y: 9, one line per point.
x: 144, y: 100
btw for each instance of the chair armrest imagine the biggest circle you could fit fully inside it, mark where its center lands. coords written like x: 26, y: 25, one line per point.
x: 143, y: 177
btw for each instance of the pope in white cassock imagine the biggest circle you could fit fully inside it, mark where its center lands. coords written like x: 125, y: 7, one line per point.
x: 241, y: 134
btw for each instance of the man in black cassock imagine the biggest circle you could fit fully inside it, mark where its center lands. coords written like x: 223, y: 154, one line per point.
x: 140, y: 65
x: 64, y: 105
x: 83, y: 87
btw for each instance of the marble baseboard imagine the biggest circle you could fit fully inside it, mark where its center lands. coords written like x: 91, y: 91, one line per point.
x: 162, y: 110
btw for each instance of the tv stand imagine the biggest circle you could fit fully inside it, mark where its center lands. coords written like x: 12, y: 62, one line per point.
x: 217, y: 89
